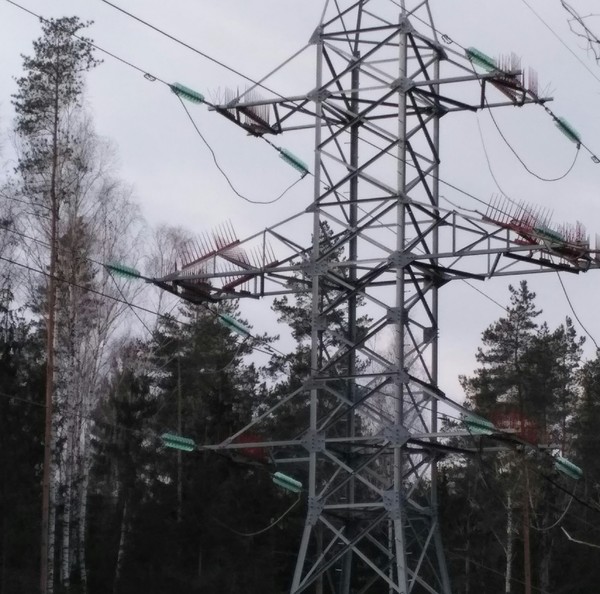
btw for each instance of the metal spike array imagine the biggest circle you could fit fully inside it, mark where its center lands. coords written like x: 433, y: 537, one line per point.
x: 575, y: 234
x: 518, y: 216
x: 533, y: 84
x: 197, y: 252
x: 220, y: 252
x: 262, y: 113
x: 511, y: 84
x: 534, y: 226
x: 254, y: 117
x: 509, y: 63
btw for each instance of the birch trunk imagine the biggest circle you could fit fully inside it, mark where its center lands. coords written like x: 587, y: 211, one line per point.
x: 65, y: 566
x: 546, y: 553
x: 50, y: 547
x: 467, y: 565
x: 510, y: 529
x: 67, y: 463
x: 122, y: 545
x: 82, y: 526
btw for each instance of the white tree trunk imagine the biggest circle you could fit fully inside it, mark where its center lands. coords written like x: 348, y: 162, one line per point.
x: 510, y: 529
x: 122, y: 545
x: 83, y: 495
x: 51, y: 533
x: 65, y: 565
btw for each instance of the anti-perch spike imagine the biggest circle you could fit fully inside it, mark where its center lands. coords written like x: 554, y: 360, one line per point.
x: 481, y: 59
x: 293, y: 161
x: 122, y: 270
x: 568, y: 130
x: 187, y: 93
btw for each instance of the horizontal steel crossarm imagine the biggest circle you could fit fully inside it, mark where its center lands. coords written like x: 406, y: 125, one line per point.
x: 287, y: 108
x: 289, y: 283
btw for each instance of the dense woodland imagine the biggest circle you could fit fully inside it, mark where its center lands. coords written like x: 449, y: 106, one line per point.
x: 125, y: 513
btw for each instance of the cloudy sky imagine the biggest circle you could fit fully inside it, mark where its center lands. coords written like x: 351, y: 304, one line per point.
x: 177, y: 184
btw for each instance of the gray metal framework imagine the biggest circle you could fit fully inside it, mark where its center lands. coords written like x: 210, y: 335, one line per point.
x: 381, y: 244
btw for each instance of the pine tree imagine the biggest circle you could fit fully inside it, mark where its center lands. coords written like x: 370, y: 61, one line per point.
x: 184, y: 518
x: 46, y: 96
x: 506, y: 343
x: 526, y: 383
x: 21, y: 453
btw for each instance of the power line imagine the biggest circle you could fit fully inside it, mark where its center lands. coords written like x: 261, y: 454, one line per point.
x: 524, y: 461
x: 554, y: 524
x: 519, y: 158
x: 270, y: 349
x: 514, y: 152
x: 216, y: 162
x: 495, y: 571
x: 192, y: 48
x: 263, y: 530
x: 560, y: 40
x: 129, y: 303
x: 447, y: 39
x: 135, y: 313
x: 574, y: 312
x: 485, y: 295
x: 153, y: 78
x: 147, y: 75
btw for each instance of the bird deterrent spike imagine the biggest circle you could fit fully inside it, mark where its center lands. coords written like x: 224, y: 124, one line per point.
x: 200, y: 246
x: 189, y: 253
x: 229, y: 231
x: 532, y: 82
x: 192, y: 250
x: 209, y: 242
x: 220, y: 232
x: 206, y: 244
x: 185, y: 254
x: 223, y: 237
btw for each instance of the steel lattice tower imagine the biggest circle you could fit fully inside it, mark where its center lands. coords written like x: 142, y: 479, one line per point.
x: 370, y: 448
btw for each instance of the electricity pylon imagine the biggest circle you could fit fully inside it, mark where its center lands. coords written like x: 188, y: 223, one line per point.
x: 381, y: 243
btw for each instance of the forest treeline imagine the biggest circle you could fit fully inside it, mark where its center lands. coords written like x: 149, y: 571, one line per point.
x: 88, y: 384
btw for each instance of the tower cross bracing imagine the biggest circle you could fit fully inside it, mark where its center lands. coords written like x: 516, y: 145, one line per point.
x: 380, y: 242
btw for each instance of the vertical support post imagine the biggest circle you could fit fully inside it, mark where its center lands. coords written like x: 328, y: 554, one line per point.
x: 399, y: 536
x: 526, y: 535
x: 316, y: 332
x: 179, y: 453
x: 439, y: 549
x: 346, y: 577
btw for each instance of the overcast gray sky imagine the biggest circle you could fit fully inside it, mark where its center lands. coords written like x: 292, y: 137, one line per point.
x: 176, y: 182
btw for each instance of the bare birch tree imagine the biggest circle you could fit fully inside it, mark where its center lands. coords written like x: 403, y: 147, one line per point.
x: 79, y: 216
